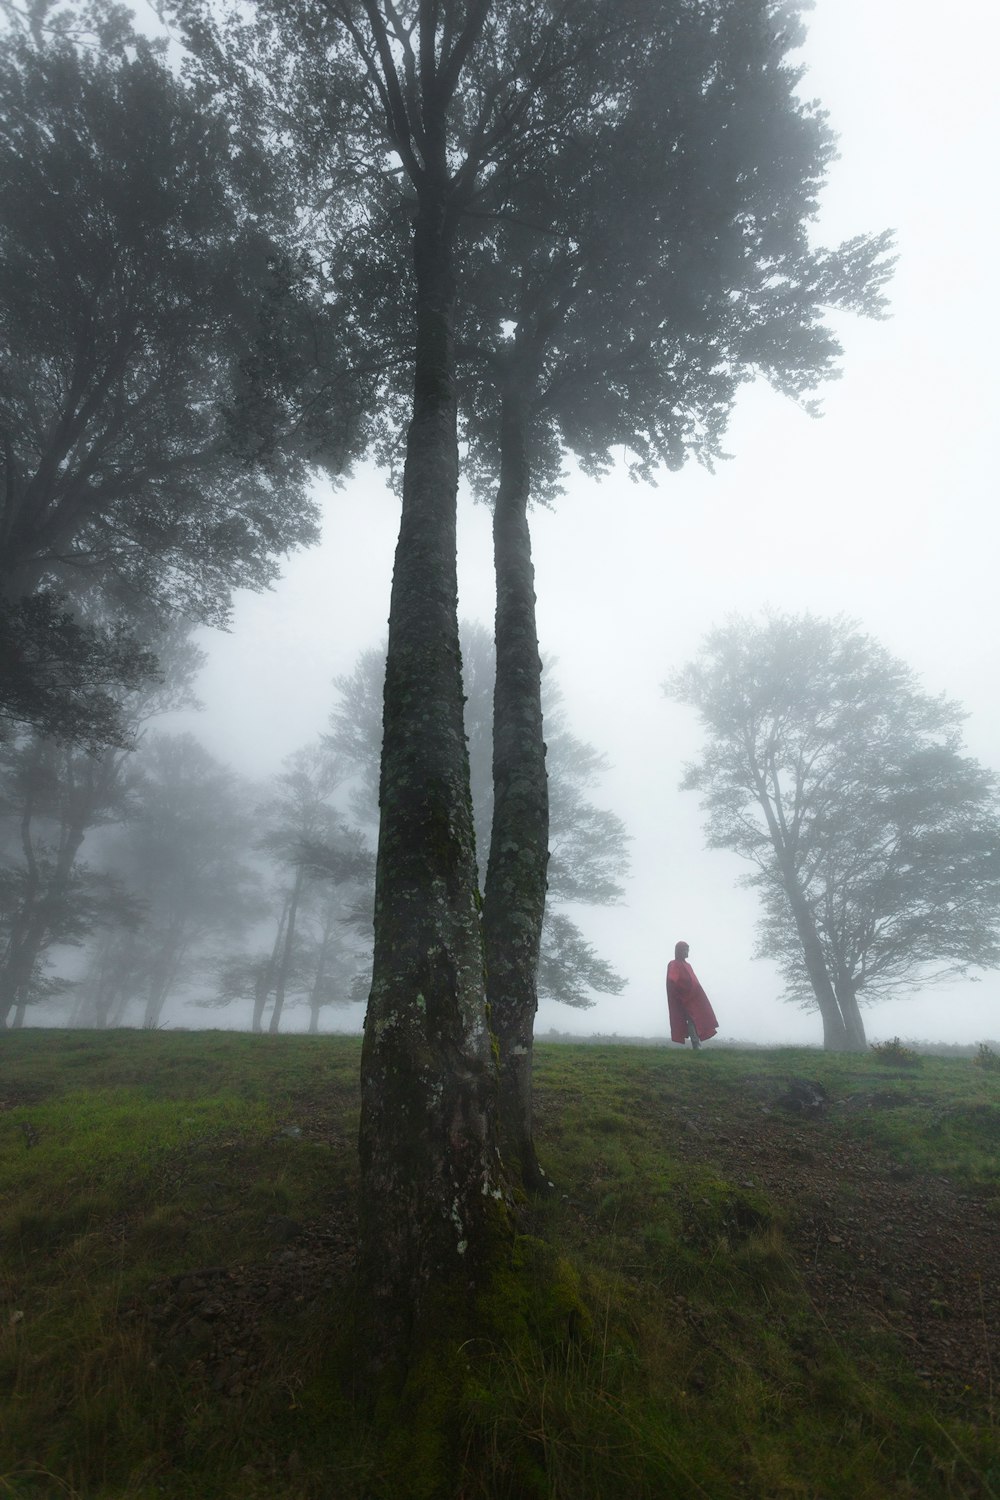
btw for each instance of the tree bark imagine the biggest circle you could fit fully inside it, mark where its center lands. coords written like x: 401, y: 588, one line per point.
x: 514, y: 899
x: 431, y: 1181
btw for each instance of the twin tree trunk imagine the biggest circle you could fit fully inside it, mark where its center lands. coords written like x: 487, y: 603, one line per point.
x: 840, y: 1034
x: 432, y: 1194
x: 843, y: 1029
x: 514, y: 899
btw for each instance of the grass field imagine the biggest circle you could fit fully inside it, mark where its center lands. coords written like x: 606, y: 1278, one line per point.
x: 177, y: 1228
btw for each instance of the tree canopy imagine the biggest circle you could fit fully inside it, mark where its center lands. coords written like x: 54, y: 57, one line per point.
x: 875, y: 839
x: 153, y: 318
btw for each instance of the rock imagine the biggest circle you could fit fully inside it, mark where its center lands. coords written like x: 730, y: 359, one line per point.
x: 804, y: 1097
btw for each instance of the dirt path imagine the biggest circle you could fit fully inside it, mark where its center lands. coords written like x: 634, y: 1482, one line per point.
x: 880, y: 1247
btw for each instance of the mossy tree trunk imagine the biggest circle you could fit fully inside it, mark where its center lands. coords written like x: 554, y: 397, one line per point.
x: 431, y: 1184
x: 514, y: 904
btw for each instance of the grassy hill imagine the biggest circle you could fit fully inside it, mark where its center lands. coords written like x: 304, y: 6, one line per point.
x: 763, y: 1274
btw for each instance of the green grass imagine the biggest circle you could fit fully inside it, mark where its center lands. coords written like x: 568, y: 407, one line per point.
x: 673, y: 1350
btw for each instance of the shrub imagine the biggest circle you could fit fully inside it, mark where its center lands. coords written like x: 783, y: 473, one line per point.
x: 895, y: 1054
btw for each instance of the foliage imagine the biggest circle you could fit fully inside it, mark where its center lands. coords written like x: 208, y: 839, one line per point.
x: 895, y: 1054
x: 153, y: 323
x: 665, y: 1299
x: 327, y: 868
x: 186, y: 851
x: 63, y: 676
x: 987, y: 1059
x: 843, y: 782
x: 588, y: 844
x: 57, y: 803
x: 674, y: 264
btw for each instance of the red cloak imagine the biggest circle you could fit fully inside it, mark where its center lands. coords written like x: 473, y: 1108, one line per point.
x: 685, y: 997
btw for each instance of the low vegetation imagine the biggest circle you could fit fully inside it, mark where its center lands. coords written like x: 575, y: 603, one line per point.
x: 177, y: 1236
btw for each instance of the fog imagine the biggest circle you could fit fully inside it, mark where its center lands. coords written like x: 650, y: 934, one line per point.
x: 883, y: 509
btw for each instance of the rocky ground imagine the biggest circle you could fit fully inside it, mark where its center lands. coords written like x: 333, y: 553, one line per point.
x: 881, y: 1247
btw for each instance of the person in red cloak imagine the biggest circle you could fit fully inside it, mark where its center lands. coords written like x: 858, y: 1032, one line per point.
x: 691, y: 1013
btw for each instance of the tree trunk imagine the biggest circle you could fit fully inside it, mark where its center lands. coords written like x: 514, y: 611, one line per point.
x: 835, y: 1037
x: 430, y: 1171
x: 265, y: 979
x: 514, y: 900
x: 161, y: 980
x: 31, y: 933
x: 27, y: 943
x: 316, y: 997
x: 851, y: 1011
x: 285, y: 966
x: 834, y: 1031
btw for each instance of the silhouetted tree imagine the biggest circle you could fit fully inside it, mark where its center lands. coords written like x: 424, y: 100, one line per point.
x: 875, y: 840
x: 156, y: 431
x: 323, y: 860
x: 189, y: 850
x: 475, y: 110
x: 54, y: 796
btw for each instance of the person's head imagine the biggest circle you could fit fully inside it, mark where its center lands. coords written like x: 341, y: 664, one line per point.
x: 681, y: 950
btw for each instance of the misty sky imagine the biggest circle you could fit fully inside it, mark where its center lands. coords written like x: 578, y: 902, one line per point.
x: 884, y: 509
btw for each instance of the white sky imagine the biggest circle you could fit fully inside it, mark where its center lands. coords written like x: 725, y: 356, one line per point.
x: 884, y: 509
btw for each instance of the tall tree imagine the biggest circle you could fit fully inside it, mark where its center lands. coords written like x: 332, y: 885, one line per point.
x: 463, y: 102
x: 155, y: 430
x: 875, y: 840
x: 188, y: 849
x: 445, y: 90
x: 622, y: 313
x: 322, y: 860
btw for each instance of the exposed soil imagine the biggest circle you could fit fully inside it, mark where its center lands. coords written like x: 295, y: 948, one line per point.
x: 881, y: 1247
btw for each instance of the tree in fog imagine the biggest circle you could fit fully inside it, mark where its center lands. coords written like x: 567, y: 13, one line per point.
x: 443, y: 93
x: 321, y: 860
x: 156, y: 429
x: 875, y: 840
x: 620, y: 313
x: 54, y: 796
x: 188, y: 850
x: 589, y: 844
x: 474, y: 110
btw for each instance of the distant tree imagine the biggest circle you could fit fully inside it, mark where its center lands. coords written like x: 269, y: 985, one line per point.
x: 54, y: 796
x: 876, y: 841
x: 589, y: 844
x: 306, y: 835
x: 158, y: 336
x: 188, y: 849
